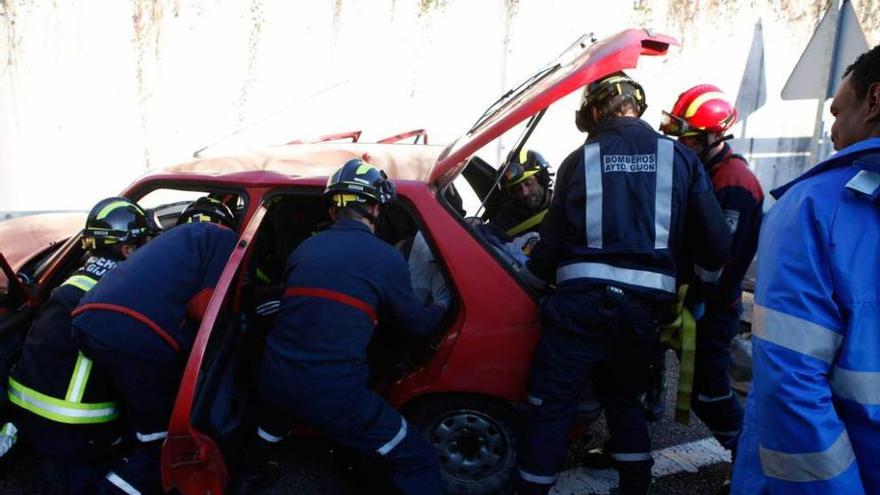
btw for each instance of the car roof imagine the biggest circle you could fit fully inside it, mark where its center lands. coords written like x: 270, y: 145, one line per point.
x: 297, y: 161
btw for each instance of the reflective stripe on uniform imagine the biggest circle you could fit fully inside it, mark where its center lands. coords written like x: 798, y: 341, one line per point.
x: 663, y: 194
x: 795, y: 334
x: 265, y: 435
x: 865, y: 182
x: 631, y: 456
x: 120, y: 483
x: 150, y: 437
x: 707, y: 275
x: 810, y: 466
x: 535, y: 401
x: 394, y: 441
x: 80, y: 378
x: 60, y: 410
x: 81, y: 282
x: 860, y: 386
x: 706, y: 398
x: 593, y: 185
x: 629, y: 276
x: 537, y: 478
x: 530, y: 222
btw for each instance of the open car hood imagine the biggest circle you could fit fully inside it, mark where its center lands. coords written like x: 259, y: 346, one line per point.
x: 582, y: 63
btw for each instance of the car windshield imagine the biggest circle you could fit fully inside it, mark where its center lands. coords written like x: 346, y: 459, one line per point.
x: 566, y: 57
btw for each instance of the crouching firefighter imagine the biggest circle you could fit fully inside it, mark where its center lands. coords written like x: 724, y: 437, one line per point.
x: 627, y: 202
x: 314, y: 368
x: 65, y: 410
x: 138, y: 325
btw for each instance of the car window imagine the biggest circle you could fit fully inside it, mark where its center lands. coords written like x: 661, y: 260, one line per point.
x: 168, y: 203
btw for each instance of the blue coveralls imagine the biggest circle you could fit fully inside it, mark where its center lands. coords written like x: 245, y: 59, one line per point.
x: 134, y: 325
x: 612, y: 237
x: 812, y: 421
x: 314, y: 368
x: 63, y: 410
x: 741, y: 198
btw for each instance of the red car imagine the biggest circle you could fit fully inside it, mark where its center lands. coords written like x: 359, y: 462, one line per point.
x: 464, y: 385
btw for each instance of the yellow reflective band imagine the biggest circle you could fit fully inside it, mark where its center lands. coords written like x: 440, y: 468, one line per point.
x: 112, y: 206
x: 364, y: 168
x: 80, y: 378
x: 523, y: 156
x: 262, y: 277
x: 59, y: 410
x: 88, y: 243
x: 698, y: 102
x: 81, y: 282
x: 343, y: 199
x: 529, y: 223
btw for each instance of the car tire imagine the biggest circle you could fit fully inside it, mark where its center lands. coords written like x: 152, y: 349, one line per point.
x: 475, y: 439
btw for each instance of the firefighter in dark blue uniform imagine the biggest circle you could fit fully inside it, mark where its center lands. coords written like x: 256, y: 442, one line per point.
x: 138, y: 326
x: 700, y: 118
x: 627, y: 203
x: 63, y: 410
x: 314, y: 369
x: 526, y: 179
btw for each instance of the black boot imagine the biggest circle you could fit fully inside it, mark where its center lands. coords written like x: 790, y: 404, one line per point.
x: 259, y: 468
x: 598, y: 458
x: 635, y: 477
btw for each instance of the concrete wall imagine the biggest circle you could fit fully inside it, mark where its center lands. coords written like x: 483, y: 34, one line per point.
x: 93, y: 93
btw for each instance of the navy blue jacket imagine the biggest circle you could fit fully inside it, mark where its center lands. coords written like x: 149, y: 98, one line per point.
x: 626, y: 205
x: 141, y: 307
x: 742, y: 200
x: 50, y: 363
x: 339, y: 283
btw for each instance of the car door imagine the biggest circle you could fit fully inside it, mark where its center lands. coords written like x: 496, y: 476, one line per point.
x: 192, y: 460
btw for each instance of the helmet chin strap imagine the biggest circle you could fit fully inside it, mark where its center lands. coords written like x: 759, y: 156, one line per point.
x: 708, y: 147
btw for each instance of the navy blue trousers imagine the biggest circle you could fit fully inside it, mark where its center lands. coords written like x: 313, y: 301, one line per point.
x: 358, y: 418
x: 147, y: 391
x: 583, y: 338
x: 713, y: 401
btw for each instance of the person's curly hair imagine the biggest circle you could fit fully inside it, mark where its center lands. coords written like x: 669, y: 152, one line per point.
x: 865, y: 71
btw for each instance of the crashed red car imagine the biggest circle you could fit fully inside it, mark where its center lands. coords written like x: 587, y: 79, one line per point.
x: 462, y: 386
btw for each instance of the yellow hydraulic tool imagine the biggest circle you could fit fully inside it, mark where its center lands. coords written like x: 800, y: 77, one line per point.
x: 681, y: 334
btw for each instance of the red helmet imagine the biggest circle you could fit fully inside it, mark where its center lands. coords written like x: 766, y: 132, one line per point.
x: 701, y: 109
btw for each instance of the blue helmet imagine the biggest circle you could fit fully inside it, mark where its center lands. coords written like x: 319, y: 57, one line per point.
x: 115, y: 221
x: 207, y: 209
x: 359, y: 182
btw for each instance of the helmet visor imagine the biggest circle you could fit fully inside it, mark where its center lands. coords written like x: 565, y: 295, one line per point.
x: 672, y: 125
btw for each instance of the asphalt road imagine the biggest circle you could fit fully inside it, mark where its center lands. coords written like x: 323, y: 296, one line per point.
x: 309, y: 466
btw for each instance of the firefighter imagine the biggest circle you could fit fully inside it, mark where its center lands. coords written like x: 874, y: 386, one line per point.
x: 139, y: 324
x: 314, y: 368
x: 526, y: 179
x: 64, y: 410
x: 627, y: 203
x: 699, y: 119
x: 812, y: 420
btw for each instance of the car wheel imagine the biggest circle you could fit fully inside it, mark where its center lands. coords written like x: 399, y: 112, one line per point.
x: 475, y: 441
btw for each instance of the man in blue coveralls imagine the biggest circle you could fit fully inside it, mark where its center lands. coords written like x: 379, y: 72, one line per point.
x: 138, y: 326
x: 812, y: 420
x: 65, y: 412
x: 314, y: 369
x: 627, y: 203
